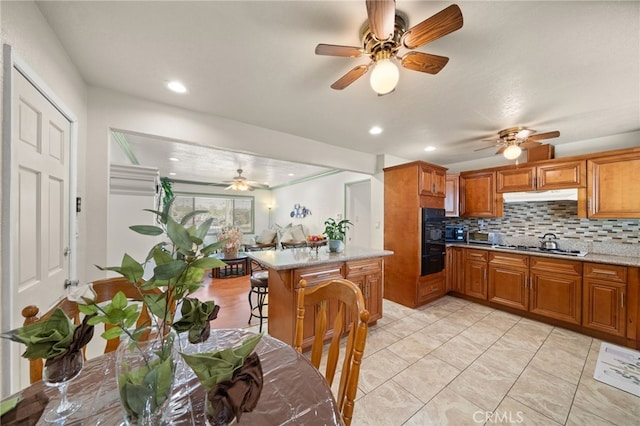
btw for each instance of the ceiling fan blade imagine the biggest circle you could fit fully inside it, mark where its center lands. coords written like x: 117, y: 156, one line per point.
x: 439, y: 25
x: 529, y: 144
x: 335, y: 50
x: 382, y: 18
x: 548, y: 135
x: 501, y: 150
x: 350, y: 77
x: 424, y: 62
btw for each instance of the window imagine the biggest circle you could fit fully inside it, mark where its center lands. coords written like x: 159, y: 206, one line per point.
x: 226, y: 211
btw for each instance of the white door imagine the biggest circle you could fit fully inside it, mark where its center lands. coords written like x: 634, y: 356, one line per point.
x: 39, y: 207
x: 359, y: 213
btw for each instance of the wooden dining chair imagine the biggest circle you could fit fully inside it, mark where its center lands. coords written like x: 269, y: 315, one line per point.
x: 105, y: 290
x: 351, y: 317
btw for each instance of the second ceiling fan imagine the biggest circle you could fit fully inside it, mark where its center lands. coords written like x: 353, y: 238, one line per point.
x: 513, y: 140
x: 382, y: 39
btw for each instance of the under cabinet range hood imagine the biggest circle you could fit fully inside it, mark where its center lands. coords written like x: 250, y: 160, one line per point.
x: 551, y: 195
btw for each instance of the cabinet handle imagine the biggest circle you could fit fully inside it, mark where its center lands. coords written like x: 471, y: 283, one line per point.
x: 535, y: 181
x: 434, y: 187
x: 622, y: 300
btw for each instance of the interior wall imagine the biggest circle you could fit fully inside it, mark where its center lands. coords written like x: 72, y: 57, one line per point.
x: 110, y: 110
x: 323, y: 203
x: 31, y: 39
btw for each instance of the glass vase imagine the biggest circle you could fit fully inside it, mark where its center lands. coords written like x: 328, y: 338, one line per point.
x: 145, y: 371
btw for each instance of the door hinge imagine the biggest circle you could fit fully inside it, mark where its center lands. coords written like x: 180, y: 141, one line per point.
x: 68, y: 283
x: 66, y: 251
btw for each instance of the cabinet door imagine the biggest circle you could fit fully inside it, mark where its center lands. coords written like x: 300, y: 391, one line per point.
x: 315, y: 276
x: 509, y: 280
x: 604, y: 306
x: 556, y: 296
x: 614, y: 186
x: 570, y: 174
x: 452, y: 196
x: 516, y: 180
x: 367, y: 274
x: 475, y: 279
x: 454, y: 270
x: 432, y: 181
x: 478, y: 197
x: 373, y: 286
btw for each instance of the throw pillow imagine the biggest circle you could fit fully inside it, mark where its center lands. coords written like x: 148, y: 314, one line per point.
x: 298, y: 233
x: 266, y: 237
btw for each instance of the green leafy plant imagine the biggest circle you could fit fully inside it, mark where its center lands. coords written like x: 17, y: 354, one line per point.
x: 336, y: 230
x: 180, y: 260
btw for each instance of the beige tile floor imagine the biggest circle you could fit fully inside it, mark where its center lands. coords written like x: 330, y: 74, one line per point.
x: 454, y: 362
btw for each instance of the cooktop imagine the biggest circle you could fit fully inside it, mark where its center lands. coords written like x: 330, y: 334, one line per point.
x: 541, y: 250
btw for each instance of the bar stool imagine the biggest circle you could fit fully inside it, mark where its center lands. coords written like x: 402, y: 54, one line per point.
x: 260, y: 288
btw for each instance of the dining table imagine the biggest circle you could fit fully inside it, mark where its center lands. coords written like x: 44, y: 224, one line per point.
x: 294, y: 392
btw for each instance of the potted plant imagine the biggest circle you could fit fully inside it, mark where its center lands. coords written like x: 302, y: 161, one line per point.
x: 145, y: 365
x: 336, y: 232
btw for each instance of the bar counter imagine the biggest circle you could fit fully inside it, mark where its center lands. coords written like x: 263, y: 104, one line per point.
x: 363, y: 266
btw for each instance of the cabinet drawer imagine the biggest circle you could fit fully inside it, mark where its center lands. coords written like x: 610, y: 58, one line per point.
x: 318, y: 274
x: 611, y: 273
x: 363, y: 267
x: 431, y: 287
x: 509, y: 259
x: 473, y: 254
x: 556, y: 266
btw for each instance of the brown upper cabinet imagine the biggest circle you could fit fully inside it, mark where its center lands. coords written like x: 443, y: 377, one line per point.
x: 556, y: 175
x: 452, y: 199
x: 431, y: 180
x: 614, y: 186
x: 478, y: 196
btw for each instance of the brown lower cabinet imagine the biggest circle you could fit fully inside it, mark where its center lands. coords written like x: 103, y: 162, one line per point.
x: 366, y: 273
x: 604, y: 298
x: 509, y: 280
x: 544, y: 286
x: 556, y: 288
x: 589, y: 296
x: 475, y: 273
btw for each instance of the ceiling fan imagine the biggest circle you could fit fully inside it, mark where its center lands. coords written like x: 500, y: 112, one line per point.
x: 240, y: 183
x: 513, y: 140
x: 383, y: 36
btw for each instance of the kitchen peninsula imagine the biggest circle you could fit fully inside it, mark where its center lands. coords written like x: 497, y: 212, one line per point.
x: 363, y: 266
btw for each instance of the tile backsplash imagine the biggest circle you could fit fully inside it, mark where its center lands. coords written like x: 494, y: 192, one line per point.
x: 526, y: 223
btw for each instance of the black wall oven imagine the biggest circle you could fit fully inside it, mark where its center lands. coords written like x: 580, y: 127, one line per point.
x: 433, y: 241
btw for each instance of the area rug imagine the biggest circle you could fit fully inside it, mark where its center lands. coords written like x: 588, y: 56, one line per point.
x: 619, y: 367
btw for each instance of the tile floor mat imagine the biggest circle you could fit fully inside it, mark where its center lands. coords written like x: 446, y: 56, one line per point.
x: 619, y: 367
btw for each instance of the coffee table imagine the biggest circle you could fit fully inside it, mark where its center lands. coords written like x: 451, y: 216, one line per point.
x: 237, y: 266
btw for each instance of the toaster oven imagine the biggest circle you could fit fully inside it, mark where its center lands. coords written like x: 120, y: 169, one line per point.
x: 483, y: 237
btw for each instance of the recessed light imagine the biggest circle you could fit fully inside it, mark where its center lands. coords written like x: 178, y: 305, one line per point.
x: 290, y: 174
x: 172, y: 174
x: 430, y: 148
x: 177, y: 87
x: 375, y: 130
x: 173, y: 159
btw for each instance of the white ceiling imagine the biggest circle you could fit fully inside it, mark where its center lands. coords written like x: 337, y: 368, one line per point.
x: 564, y: 65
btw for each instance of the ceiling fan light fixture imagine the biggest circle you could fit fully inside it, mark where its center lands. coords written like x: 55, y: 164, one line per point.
x: 512, y: 152
x: 239, y: 186
x: 385, y: 74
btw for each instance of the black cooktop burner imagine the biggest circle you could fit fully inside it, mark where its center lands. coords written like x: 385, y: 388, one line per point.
x: 542, y: 250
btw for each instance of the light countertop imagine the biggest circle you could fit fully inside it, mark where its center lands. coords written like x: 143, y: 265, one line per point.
x: 304, y: 257
x: 590, y: 257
